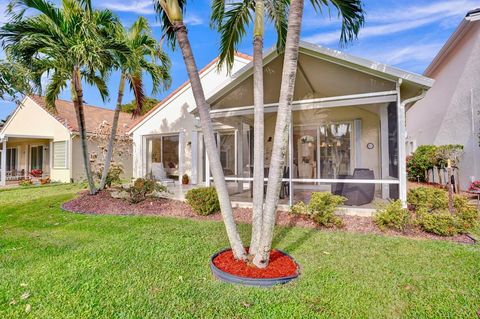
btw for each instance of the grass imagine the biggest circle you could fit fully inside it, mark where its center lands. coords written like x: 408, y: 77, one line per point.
x: 82, y: 266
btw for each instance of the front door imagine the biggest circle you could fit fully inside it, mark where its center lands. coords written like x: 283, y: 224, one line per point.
x: 36, y: 158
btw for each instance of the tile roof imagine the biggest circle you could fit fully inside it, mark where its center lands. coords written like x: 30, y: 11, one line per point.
x: 94, y: 116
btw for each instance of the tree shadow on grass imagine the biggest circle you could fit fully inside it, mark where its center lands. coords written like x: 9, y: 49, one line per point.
x: 285, y: 231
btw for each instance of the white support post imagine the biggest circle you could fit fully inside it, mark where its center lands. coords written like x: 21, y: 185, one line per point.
x: 3, y: 179
x: 402, y: 166
x: 181, y: 155
x: 194, y: 156
x: 384, y: 149
x: 290, y: 162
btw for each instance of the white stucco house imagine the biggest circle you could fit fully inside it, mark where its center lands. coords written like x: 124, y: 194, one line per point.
x: 347, y: 133
x: 36, y: 138
x: 450, y: 111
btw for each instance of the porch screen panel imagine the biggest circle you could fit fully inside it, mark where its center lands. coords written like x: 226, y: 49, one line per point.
x: 335, y: 150
x: 36, y: 157
x: 60, y: 154
x: 393, y: 147
x: 11, y: 159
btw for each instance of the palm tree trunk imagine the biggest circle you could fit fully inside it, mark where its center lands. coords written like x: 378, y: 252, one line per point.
x: 280, y: 142
x: 79, y: 110
x: 258, y: 129
x: 212, y: 151
x: 113, y: 133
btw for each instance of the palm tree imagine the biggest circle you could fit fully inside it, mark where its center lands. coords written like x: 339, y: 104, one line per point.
x: 352, y: 15
x: 231, y: 21
x: 69, y: 44
x: 171, y: 14
x: 15, y: 80
x: 145, y: 55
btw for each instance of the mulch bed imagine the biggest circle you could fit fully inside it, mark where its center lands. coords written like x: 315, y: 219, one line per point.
x: 104, y: 204
x: 280, y: 265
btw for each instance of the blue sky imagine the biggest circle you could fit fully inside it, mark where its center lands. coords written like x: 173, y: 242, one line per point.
x: 403, y: 35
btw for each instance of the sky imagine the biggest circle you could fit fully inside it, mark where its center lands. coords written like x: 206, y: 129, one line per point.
x: 406, y: 35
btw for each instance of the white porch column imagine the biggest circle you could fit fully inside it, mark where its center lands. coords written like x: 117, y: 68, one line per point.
x: 3, y: 176
x: 402, y: 165
x: 194, y: 156
x: 181, y: 155
x: 290, y: 162
x: 384, y: 149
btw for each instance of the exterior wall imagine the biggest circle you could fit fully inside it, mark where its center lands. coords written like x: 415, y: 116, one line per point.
x: 23, y: 146
x: 78, y: 168
x: 175, y: 117
x: 449, y: 114
x: 45, y: 127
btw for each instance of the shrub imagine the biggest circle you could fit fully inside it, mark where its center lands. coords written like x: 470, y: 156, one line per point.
x: 203, y: 200
x: 25, y: 182
x: 321, y: 209
x: 467, y: 214
x: 393, y: 216
x: 427, y: 197
x: 113, y: 175
x: 143, y: 188
x: 440, y: 223
x: 421, y: 160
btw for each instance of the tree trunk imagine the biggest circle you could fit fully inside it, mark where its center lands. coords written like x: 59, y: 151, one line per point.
x: 280, y: 142
x: 113, y: 133
x: 258, y: 129
x: 79, y: 110
x: 210, y: 145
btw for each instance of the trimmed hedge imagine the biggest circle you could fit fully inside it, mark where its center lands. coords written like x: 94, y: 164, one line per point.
x: 321, y: 209
x: 203, y: 200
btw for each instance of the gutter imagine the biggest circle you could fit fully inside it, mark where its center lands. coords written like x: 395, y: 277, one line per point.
x: 414, y: 99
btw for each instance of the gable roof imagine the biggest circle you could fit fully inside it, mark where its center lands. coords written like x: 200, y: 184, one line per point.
x: 94, y: 116
x: 334, y: 56
x: 180, y: 89
x: 471, y: 17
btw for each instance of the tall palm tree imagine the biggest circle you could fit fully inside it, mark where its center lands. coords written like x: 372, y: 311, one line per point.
x: 15, y: 80
x: 71, y: 44
x: 144, y: 55
x: 171, y: 14
x: 231, y: 20
x: 352, y: 15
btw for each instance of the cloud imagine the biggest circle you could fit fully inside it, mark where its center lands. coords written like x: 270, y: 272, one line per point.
x: 138, y: 6
x: 193, y: 19
x: 390, y: 21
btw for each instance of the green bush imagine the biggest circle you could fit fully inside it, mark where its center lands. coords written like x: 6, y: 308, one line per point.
x: 203, y: 200
x: 421, y: 160
x: 321, y: 209
x: 427, y: 197
x: 467, y: 214
x: 441, y: 223
x: 143, y: 188
x: 393, y: 216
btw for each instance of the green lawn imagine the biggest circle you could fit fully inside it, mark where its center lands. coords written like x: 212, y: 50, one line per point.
x: 79, y: 266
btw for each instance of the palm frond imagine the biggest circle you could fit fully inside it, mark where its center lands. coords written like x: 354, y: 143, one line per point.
x: 136, y: 85
x: 277, y: 13
x: 166, y: 24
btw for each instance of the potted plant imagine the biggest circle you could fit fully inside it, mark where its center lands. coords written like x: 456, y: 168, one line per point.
x: 185, y: 179
x: 474, y: 187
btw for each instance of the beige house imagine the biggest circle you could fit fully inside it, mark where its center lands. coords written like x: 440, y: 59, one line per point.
x: 46, y: 142
x: 450, y: 111
x: 347, y: 133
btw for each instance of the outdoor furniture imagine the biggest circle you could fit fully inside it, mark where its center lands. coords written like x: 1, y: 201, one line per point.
x: 477, y: 194
x: 159, y: 174
x: 356, y: 194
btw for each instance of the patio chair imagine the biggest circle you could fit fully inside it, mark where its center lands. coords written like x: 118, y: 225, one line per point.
x: 159, y: 174
x: 358, y: 194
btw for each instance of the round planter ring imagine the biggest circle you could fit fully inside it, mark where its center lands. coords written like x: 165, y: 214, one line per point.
x: 245, y: 281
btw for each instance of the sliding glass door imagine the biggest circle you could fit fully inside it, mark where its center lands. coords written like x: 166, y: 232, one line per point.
x: 163, y: 156
x: 322, y: 152
x: 36, y: 157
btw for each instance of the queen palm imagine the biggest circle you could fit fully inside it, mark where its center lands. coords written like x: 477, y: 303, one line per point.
x: 70, y: 44
x: 144, y: 55
x: 171, y: 15
x: 231, y: 20
x: 352, y: 17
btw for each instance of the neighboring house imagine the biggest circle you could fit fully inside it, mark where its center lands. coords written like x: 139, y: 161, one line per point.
x: 347, y: 136
x: 37, y: 138
x: 450, y: 111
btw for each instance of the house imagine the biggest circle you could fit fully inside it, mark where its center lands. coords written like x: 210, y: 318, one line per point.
x: 450, y: 111
x: 36, y: 138
x: 347, y: 134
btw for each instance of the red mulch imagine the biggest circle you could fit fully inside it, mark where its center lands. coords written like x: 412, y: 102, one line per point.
x: 280, y: 265
x: 104, y: 204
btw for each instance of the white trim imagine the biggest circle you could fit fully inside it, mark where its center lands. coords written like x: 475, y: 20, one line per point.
x: 3, y: 159
x: 310, y: 104
x: 320, y: 180
x: 384, y: 149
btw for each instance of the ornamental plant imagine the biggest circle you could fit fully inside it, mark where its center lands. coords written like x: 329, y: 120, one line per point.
x: 321, y: 209
x: 474, y: 186
x: 393, y: 216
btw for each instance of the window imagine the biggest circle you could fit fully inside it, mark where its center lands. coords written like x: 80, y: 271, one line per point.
x: 163, y: 156
x: 60, y: 154
x: 12, y: 155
